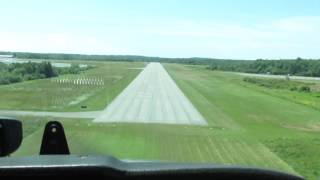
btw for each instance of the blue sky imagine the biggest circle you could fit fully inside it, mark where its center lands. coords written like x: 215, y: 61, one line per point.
x: 236, y: 29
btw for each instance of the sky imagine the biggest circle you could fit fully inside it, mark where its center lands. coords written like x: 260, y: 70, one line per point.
x: 233, y: 29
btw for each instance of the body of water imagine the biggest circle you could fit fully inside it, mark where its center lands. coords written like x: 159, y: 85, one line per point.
x: 13, y: 60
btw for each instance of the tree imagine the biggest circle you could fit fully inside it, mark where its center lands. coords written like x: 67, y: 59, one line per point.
x: 47, y: 70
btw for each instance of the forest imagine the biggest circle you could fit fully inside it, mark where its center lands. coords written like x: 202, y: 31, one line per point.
x: 18, y: 72
x: 298, y: 66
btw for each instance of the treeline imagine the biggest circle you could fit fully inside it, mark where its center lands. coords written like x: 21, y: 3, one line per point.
x: 230, y: 65
x: 73, y: 69
x: 130, y: 58
x: 18, y: 72
x: 298, y: 67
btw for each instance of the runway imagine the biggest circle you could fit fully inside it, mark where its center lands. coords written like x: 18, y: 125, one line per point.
x: 152, y: 97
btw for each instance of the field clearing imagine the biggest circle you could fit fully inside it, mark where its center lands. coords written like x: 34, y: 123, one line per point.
x: 246, y: 126
x: 311, y: 98
x: 221, y: 93
x: 94, y: 88
x: 161, y: 142
x: 256, y: 113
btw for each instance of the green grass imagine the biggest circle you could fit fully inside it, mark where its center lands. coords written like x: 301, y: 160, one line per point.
x: 49, y: 95
x: 33, y: 128
x: 160, y: 142
x: 281, y: 84
x: 283, y: 89
x: 248, y: 125
x: 253, y: 113
x: 301, y: 153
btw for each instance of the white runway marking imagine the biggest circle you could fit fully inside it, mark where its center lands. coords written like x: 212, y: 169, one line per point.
x: 153, y: 97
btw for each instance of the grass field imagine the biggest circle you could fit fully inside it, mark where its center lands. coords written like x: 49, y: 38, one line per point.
x: 290, y: 90
x: 268, y: 116
x: 248, y: 125
x: 161, y: 142
x: 54, y: 95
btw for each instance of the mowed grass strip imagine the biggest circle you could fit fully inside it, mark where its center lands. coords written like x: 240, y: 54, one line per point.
x: 226, y: 103
x: 160, y: 142
x: 254, y: 113
x: 98, y: 88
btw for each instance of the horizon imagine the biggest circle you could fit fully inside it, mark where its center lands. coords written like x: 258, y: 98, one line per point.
x: 161, y: 57
x: 171, y: 29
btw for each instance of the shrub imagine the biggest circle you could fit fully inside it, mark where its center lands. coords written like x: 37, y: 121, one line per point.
x: 304, y: 89
x: 294, y: 88
x: 280, y: 84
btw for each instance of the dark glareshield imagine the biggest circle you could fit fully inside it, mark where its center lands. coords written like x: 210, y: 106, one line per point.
x: 10, y: 136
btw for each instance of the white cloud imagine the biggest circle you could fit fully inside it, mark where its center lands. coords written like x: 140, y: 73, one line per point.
x: 57, y: 42
x: 283, y: 38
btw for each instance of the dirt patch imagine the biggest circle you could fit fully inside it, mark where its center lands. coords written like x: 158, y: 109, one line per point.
x: 314, y: 127
x: 79, y: 99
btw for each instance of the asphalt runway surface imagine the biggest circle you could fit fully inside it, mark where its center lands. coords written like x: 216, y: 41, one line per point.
x: 152, y: 97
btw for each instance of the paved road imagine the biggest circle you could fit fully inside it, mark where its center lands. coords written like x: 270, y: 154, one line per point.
x: 279, y: 76
x: 153, y: 97
x: 91, y: 114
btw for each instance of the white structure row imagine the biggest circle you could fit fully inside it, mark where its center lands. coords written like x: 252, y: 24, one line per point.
x: 80, y: 81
